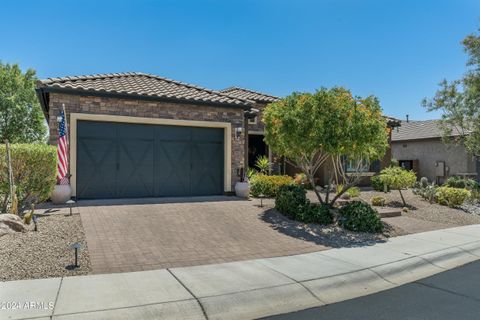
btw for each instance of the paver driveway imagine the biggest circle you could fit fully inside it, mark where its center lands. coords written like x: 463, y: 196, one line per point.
x: 133, y: 235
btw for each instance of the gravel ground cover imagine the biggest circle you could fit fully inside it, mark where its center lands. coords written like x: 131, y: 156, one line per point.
x: 423, y: 210
x: 46, y: 252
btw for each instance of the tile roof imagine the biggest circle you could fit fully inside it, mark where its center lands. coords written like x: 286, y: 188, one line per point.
x: 142, y: 84
x: 242, y: 93
x: 416, y: 130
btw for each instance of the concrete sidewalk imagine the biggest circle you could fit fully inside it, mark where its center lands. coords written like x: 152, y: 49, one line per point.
x: 243, y: 290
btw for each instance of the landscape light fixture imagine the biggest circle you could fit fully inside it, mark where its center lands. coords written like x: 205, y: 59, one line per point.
x: 76, y: 246
x: 70, y: 205
x: 35, y: 220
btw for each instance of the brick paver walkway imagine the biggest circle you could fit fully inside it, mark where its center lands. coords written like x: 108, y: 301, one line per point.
x: 133, y: 235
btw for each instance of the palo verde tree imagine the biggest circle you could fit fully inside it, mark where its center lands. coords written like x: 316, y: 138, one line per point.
x: 328, y: 126
x: 459, y: 102
x: 21, y: 118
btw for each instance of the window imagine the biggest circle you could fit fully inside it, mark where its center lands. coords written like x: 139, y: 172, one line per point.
x: 252, y: 121
x: 351, y: 165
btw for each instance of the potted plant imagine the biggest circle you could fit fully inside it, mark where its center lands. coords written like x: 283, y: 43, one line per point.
x: 242, y: 187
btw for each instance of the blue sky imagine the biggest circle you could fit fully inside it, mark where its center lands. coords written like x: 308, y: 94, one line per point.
x: 396, y: 50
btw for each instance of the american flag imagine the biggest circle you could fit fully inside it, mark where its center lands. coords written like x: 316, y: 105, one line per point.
x: 62, y: 151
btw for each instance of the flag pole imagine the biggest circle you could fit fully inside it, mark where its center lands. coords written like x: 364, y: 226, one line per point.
x: 66, y: 128
x: 68, y: 141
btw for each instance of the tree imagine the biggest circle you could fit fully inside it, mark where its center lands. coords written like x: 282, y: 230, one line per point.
x: 459, y: 102
x: 327, y: 126
x: 21, y: 118
x: 397, y: 178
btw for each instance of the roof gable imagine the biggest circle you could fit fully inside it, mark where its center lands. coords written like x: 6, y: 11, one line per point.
x: 242, y: 93
x: 140, y: 85
x: 417, y: 130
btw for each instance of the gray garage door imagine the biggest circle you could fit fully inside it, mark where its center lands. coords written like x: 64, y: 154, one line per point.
x: 117, y: 160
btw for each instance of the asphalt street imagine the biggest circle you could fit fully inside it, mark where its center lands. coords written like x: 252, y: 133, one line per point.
x: 453, y: 294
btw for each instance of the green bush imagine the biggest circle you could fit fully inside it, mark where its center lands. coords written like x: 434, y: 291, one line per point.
x: 267, y: 186
x: 360, y: 216
x: 291, y: 200
x: 353, y: 192
x: 315, y: 213
x: 451, y: 197
x: 475, y: 194
x: 378, y: 201
x: 377, y: 184
x: 462, y: 183
x: 34, y: 173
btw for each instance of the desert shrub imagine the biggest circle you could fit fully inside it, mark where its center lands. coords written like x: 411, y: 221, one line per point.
x: 315, y: 213
x: 291, y: 200
x: 463, y: 183
x: 34, y: 173
x: 302, y: 179
x: 250, y: 173
x: 475, y: 195
x: 451, y: 197
x: 267, y: 186
x: 397, y: 179
x: 263, y: 164
x: 377, y: 184
x: 360, y: 216
x: 378, y: 201
x: 425, y: 190
x: 353, y: 192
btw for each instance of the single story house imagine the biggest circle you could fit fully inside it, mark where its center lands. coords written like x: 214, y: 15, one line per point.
x: 418, y: 146
x: 141, y: 135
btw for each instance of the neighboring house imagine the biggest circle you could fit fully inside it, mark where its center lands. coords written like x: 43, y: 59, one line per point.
x: 140, y: 135
x: 255, y: 144
x: 418, y: 145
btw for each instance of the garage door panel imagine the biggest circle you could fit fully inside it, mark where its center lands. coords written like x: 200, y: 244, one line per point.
x: 135, y: 167
x: 206, y: 159
x: 172, y: 168
x: 96, y: 167
x: 134, y: 160
x: 207, y: 134
x: 172, y: 133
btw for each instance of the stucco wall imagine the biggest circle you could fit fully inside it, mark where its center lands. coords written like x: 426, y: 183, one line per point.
x: 427, y: 152
x: 150, y: 109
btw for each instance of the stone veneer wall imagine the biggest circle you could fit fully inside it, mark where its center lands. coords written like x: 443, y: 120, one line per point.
x: 259, y: 126
x: 149, y: 109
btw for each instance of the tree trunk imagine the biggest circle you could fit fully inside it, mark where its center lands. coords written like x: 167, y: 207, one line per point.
x: 403, y: 199
x: 312, y: 183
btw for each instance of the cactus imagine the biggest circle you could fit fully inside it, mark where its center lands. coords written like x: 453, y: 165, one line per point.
x: 424, y: 182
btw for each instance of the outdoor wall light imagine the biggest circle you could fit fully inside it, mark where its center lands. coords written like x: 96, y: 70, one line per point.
x: 238, y: 132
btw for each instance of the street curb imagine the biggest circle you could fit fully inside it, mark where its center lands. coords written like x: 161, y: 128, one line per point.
x: 250, y: 289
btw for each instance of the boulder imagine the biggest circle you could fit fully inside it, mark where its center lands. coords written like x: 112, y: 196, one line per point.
x: 11, y: 223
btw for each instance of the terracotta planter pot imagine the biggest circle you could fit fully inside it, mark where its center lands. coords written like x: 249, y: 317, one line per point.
x: 61, y: 193
x: 242, y: 189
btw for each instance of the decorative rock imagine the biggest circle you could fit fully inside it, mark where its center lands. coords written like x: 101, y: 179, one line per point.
x: 61, y: 193
x: 10, y: 223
